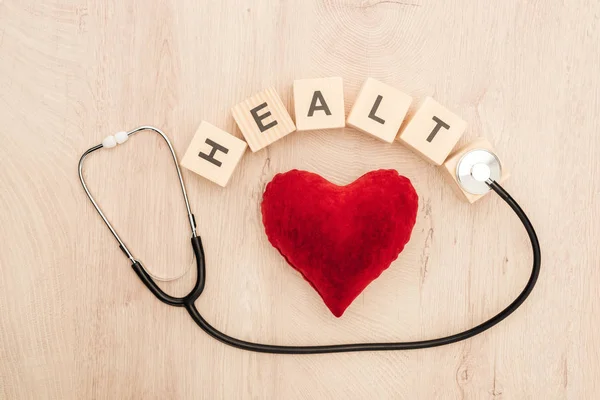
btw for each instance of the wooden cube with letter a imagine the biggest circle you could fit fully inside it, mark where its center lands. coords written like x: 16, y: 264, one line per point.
x: 433, y: 131
x: 319, y: 103
x: 213, y: 153
x: 379, y: 110
x: 263, y: 119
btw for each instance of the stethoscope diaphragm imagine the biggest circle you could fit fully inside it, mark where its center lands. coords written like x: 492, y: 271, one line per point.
x: 476, y: 168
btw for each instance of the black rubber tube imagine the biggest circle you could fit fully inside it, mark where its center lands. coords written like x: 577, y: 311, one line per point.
x: 171, y: 300
x: 188, y: 303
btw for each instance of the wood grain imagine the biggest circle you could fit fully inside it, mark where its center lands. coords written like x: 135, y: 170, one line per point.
x: 76, y: 323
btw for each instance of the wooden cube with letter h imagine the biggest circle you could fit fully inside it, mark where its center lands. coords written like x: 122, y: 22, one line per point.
x: 263, y: 119
x: 433, y: 131
x: 213, y: 153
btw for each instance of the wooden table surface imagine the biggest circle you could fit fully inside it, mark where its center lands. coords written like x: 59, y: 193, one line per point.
x: 76, y: 323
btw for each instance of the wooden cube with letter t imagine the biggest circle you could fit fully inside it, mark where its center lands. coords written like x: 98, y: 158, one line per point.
x: 263, y: 119
x: 213, y: 153
x: 433, y: 131
x: 319, y: 103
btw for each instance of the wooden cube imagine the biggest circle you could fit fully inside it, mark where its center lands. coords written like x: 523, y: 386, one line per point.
x: 449, y: 169
x: 263, y: 119
x: 379, y: 110
x: 319, y: 103
x: 213, y: 153
x: 433, y: 131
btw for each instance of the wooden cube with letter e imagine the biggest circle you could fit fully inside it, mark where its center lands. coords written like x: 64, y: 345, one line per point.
x: 213, y: 153
x: 263, y: 119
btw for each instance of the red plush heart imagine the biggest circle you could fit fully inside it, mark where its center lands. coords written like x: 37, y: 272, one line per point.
x: 340, y: 238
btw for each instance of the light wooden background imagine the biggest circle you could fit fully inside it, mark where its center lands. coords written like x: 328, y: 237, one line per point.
x: 76, y: 323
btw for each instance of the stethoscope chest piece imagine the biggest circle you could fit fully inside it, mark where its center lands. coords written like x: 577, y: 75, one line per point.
x: 477, y: 167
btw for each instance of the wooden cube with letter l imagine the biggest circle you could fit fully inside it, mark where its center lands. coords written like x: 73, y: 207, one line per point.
x: 213, y: 153
x: 379, y: 110
x: 433, y: 131
x: 263, y: 119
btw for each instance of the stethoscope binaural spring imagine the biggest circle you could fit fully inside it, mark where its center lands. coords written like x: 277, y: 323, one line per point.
x: 477, y: 171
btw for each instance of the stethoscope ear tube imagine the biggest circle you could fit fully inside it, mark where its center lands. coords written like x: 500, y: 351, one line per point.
x: 111, y: 142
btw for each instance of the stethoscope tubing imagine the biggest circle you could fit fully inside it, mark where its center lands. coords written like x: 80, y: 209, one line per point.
x: 189, y: 300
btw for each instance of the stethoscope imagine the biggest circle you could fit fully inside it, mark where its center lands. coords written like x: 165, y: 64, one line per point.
x: 477, y: 171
